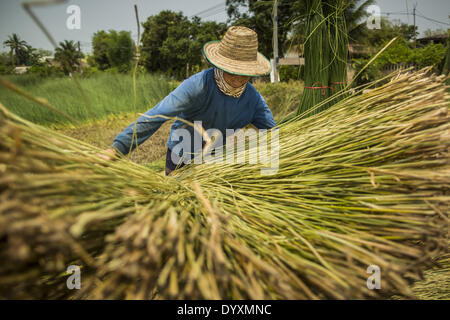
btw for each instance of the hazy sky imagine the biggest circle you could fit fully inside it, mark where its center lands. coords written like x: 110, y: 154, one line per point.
x: 119, y: 15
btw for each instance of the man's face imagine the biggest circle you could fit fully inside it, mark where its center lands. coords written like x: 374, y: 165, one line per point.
x: 234, y: 80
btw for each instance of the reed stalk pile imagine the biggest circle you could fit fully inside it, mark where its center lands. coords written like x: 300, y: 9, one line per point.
x: 365, y: 182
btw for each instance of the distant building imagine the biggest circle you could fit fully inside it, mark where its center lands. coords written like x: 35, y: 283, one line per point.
x: 440, y: 38
x: 360, y: 50
x: 21, y: 70
x: 49, y: 60
x: 354, y: 50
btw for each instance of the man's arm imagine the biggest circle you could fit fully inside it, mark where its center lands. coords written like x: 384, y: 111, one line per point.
x: 181, y: 99
x: 263, y: 118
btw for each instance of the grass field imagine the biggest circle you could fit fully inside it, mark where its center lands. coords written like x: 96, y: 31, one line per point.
x: 107, y: 95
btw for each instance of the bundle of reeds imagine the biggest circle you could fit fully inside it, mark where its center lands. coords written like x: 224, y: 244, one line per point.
x: 363, y: 183
x: 57, y: 204
x: 317, y: 59
x: 357, y: 185
x: 338, y: 42
x: 326, y: 51
x: 436, y: 282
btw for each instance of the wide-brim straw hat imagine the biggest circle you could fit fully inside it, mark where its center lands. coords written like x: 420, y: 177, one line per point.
x: 237, y: 53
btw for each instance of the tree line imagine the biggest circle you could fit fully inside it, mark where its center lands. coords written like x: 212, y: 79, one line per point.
x: 171, y: 43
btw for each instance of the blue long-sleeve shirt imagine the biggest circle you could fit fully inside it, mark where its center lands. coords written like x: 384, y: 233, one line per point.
x: 198, y: 98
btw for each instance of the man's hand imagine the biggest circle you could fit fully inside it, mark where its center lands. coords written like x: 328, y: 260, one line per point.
x: 108, y: 154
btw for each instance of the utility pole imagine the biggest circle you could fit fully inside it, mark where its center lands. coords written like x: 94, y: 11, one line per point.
x: 414, y: 15
x: 79, y: 56
x: 407, y: 11
x: 275, y: 40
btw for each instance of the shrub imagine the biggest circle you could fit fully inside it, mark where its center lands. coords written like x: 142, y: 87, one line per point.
x: 4, y: 69
x: 282, y: 98
x: 291, y: 72
x: 45, y: 71
x: 371, y: 73
x: 430, y: 55
x: 90, y: 71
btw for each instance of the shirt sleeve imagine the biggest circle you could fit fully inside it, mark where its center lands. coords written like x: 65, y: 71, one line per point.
x: 182, y: 99
x: 263, y: 118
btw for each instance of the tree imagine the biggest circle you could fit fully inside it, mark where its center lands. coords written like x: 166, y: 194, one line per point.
x: 434, y: 33
x: 183, y: 47
x: 389, y: 29
x: 175, y: 47
x: 16, y: 46
x: 401, y: 52
x: 355, y: 14
x: 201, y: 33
x: 100, y: 49
x: 113, y: 49
x: 5, y: 63
x: 259, y: 18
x: 430, y: 55
x: 292, y: 15
x: 156, y: 31
x: 68, y: 56
x: 29, y: 56
x: 44, y: 52
x: 120, y: 50
x: 5, y: 58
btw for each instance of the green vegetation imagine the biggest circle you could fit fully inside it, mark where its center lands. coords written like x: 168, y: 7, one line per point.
x: 401, y: 52
x: 171, y: 43
x: 20, y: 53
x: 318, y: 58
x: 388, y: 30
x: 292, y: 20
x: 111, y: 103
x: 282, y: 98
x: 113, y: 50
x: 107, y: 94
x: 68, y: 56
x: 18, y: 49
x: 338, y: 35
x: 110, y: 94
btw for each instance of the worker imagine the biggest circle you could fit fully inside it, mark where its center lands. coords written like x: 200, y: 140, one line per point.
x: 220, y: 97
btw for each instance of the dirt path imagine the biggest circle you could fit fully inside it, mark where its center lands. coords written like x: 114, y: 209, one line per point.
x: 102, y: 135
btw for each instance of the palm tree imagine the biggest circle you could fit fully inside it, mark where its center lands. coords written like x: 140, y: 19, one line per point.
x: 354, y: 14
x: 68, y: 55
x: 15, y: 45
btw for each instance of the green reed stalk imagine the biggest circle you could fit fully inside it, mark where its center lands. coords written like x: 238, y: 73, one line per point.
x: 317, y: 56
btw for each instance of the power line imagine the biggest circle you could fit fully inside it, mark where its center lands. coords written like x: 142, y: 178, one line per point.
x: 220, y: 5
x: 419, y: 15
x: 395, y: 13
x: 206, y: 11
x: 214, y: 13
x: 388, y: 14
x: 430, y: 19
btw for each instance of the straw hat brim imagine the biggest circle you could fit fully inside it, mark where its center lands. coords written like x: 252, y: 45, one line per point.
x: 260, y: 67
